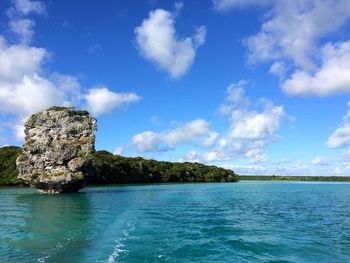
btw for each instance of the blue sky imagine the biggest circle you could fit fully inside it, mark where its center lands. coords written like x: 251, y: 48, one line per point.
x: 261, y: 87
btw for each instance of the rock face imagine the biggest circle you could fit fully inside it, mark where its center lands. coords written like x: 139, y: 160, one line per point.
x: 57, y: 151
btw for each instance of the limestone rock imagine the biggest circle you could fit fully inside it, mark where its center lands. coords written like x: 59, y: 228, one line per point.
x: 57, y: 151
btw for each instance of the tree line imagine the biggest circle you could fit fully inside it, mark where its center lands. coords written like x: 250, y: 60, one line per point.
x: 114, y: 169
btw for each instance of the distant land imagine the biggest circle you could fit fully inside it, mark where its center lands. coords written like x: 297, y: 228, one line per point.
x: 114, y: 169
x: 295, y: 178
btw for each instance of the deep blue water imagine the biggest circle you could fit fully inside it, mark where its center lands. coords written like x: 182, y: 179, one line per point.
x: 227, y: 222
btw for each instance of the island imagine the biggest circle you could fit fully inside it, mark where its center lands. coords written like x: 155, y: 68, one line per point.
x: 59, y: 156
x: 108, y: 168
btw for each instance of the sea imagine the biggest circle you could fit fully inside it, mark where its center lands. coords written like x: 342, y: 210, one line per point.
x: 249, y: 221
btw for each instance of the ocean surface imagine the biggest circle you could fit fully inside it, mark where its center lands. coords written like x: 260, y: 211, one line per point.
x: 250, y: 221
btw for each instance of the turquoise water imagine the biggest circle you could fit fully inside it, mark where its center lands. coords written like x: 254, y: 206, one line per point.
x: 228, y: 222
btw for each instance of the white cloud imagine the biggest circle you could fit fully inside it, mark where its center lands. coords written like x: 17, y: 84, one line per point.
x: 279, y: 69
x: 292, y: 30
x: 342, y: 169
x: 187, y: 132
x: 191, y: 132
x: 19, y: 60
x: 296, y: 167
x: 291, y: 38
x: 18, y: 23
x: 225, y: 5
x: 249, y: 130
x: 147, y: 141
x: 31, y: 94
x: 210, y: 141
x: 157, y: 41
x: 247, y: 123
x: 249, y: 169
x: 341, y: 136
x: 23, y: 28
x: 26, y: 7
x: 319, y: 161
x: 203, y: 157
x: 101, y: 100
x: 26, y: 87
x: 332, y: 77
x: 254, y: 125
x: 119, y: 151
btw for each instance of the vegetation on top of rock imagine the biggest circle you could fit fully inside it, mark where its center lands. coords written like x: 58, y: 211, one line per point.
x: 82, y: 112
x: 59, y: 108
x: 8, y: 170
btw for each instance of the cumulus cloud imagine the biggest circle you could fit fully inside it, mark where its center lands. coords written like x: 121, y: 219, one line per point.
x: 293, y: 29
x: 101, y: 100
x: 147, y: 141
x: 341, y: 136
x: 157, y: 42
x: 204, y: 157
x: 319, y: 161
x: 247, y: 123
x: 332, y: 77
x: 191, y: 132
x: 19, y: 60
x: 27, y: 87
x: 250, y: 127
x: 290, y: 38
x: 254, y: 125
x: 248, y: 132
x: 31, y: 94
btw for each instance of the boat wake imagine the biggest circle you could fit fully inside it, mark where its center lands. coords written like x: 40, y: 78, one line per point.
x: 120, y: 247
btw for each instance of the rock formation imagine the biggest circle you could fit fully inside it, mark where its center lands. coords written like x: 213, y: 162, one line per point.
x: 57, y: 151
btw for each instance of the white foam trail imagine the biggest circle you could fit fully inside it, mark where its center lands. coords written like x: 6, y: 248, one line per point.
x: 118, y: 249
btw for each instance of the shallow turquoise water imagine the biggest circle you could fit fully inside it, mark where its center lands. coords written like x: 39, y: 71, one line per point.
x: 229, y: 222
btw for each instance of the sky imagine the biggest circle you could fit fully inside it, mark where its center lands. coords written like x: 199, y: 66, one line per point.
x: 257, y: 86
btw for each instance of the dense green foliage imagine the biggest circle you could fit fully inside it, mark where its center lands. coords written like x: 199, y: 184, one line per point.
x: 113, y: 169
x: 59, y: 108
x: 295, y: 178
x: 8, y: 170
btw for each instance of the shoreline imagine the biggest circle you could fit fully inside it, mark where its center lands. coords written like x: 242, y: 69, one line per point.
x: 294, y: 178
x: 243, y: 178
